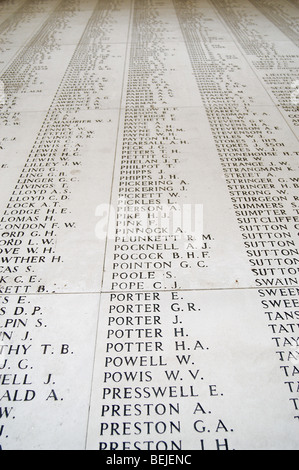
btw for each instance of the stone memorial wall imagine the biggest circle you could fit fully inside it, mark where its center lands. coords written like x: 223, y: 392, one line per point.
x: 149, y: 221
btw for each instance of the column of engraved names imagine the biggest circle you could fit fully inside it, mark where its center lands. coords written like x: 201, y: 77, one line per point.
x: 278, y: 70
x: 274, y: 59
x: 135, y: 336
x: 261, y: 178
x: 30, y: 220
x: 150, y: 373
x: 20, y: 321
x: 37, y: 213
x: 280, y: 15
x: 17, y: 19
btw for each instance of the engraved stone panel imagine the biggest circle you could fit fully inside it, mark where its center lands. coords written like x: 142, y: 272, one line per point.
x: 149, y: 221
